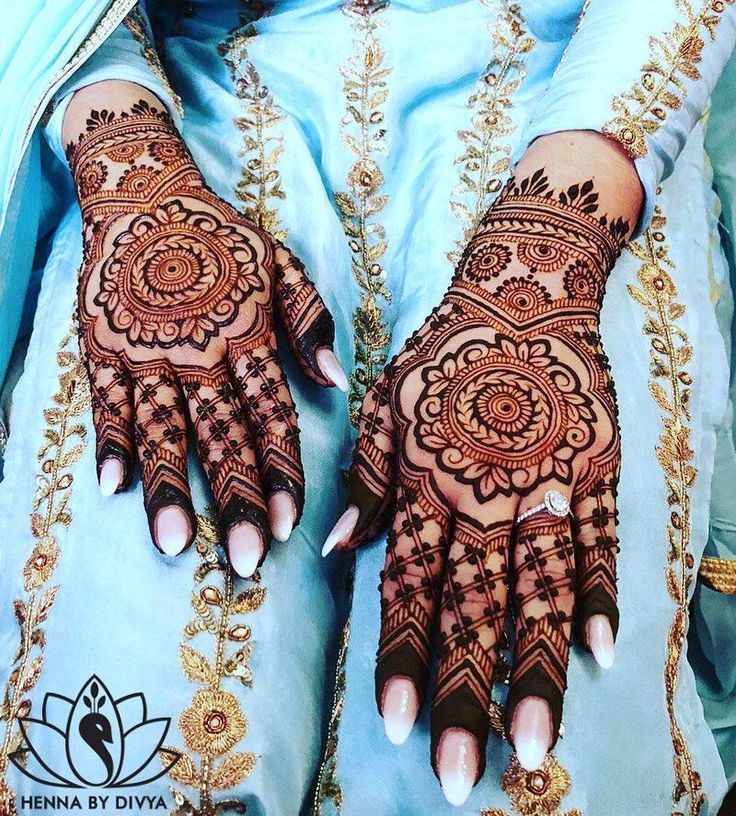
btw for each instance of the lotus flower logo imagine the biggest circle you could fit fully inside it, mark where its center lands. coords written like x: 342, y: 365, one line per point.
x: 93, y: 741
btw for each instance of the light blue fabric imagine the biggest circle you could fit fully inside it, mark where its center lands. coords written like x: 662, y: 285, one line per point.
x: 712, y: 644
x: 122, y: 607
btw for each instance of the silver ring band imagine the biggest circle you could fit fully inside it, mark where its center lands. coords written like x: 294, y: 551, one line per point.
x: 554, y: 503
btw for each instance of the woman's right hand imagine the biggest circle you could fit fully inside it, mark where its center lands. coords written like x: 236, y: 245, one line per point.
x: 176, y: 300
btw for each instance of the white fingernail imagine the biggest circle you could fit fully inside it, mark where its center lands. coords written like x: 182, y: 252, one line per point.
x: 111, y: 476
x: 171, y: 526
x: 600, y: 639
x: 330, y: 366
x: 457, y: 764
x: 399, y: 709
x: 531, y: 732
x: 342, y: 531
x: 245, y: 547
x: 281, y: 515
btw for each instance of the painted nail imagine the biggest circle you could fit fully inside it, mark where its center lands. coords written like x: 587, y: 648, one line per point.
x: 400, y: 708
x: 600, y: 639
x: 457, y: 764
x: 245, y: 546
x: 531, y: 732
x: 342, y: 531
x: 281, y: 515
x: 111, y: 476
x: 172, y: 529
x: 330, y: 366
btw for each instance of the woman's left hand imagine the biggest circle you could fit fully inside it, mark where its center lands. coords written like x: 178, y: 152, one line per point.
x: 501, y: 402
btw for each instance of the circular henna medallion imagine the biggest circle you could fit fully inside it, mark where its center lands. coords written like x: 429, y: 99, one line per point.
x: 504, y: 416
x: 177, y: 277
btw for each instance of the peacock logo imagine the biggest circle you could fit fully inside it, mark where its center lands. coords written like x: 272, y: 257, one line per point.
x: 93, y: 741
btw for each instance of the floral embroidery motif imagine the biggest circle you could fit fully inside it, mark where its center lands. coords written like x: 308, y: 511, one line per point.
x: 535, y: 793
x: 674, y: 58
x: 718, y: 574
x: 259, y: 186
x: 484, y: 161
x: 364, y: 133
x: 328, y: 784
x: 136, y: 24
x: 214, y: 723
x: 670, y: 388
x: 64, y: 441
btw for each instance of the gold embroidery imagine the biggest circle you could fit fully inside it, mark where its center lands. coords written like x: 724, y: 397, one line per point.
x: 718, y: 574
x: 263, y: 142
x: 214, y: 723
x: 670, y: 387
x: 674, y: 58
x: 328, y: 785
x: 136, y: 24
x: 64, y: 442
x: 364, y: 132
x: 535, y: 793
x: 484, y: 161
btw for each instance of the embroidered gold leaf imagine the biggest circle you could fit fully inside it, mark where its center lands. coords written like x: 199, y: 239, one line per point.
x: 249, y: 600
x: 30, y: 678
x: 195, y: 665
x: 45, y: 602
x: 674, y: 453
x: 232, y: 771
x: 183, y: 771
x: 363, y: 132
x: 675, y: 56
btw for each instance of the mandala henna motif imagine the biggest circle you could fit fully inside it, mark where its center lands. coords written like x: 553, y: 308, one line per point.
x: 503, y: 394
x: 176, y: 300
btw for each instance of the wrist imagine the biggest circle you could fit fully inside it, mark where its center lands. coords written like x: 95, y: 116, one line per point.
x: 126, y: 156
x: 557, y: 242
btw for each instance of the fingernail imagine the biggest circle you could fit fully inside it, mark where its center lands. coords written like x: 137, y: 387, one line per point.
x: 111, y: 476
x: 281, y: 515
x: 330, y: 366
x: 172, y: 529
x: 600, y: 639
x: 399, y: 709
x: 531, y: 732
x: 342, y: 531
x: 457, y: 764
x: 245, y: 547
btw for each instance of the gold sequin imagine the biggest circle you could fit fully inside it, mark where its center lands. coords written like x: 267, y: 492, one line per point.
x: 674, y: 58
x: 670, y: 387
x: 64, y: 441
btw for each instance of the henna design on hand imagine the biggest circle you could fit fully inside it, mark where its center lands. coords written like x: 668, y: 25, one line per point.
x: 503, y: 394
x: 176, y: 299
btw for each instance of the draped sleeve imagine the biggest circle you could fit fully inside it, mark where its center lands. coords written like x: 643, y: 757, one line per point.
x: 128, y: 54
x: 642, y: 74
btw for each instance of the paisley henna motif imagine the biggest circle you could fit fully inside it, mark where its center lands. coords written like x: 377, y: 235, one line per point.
x: 176, y: 301
x: 503, y: 394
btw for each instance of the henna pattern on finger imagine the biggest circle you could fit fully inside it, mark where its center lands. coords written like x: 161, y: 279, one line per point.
x: 177, y: 290
x: 504, y: 393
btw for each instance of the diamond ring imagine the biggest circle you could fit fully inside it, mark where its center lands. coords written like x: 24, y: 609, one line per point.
x: 554, y: 503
